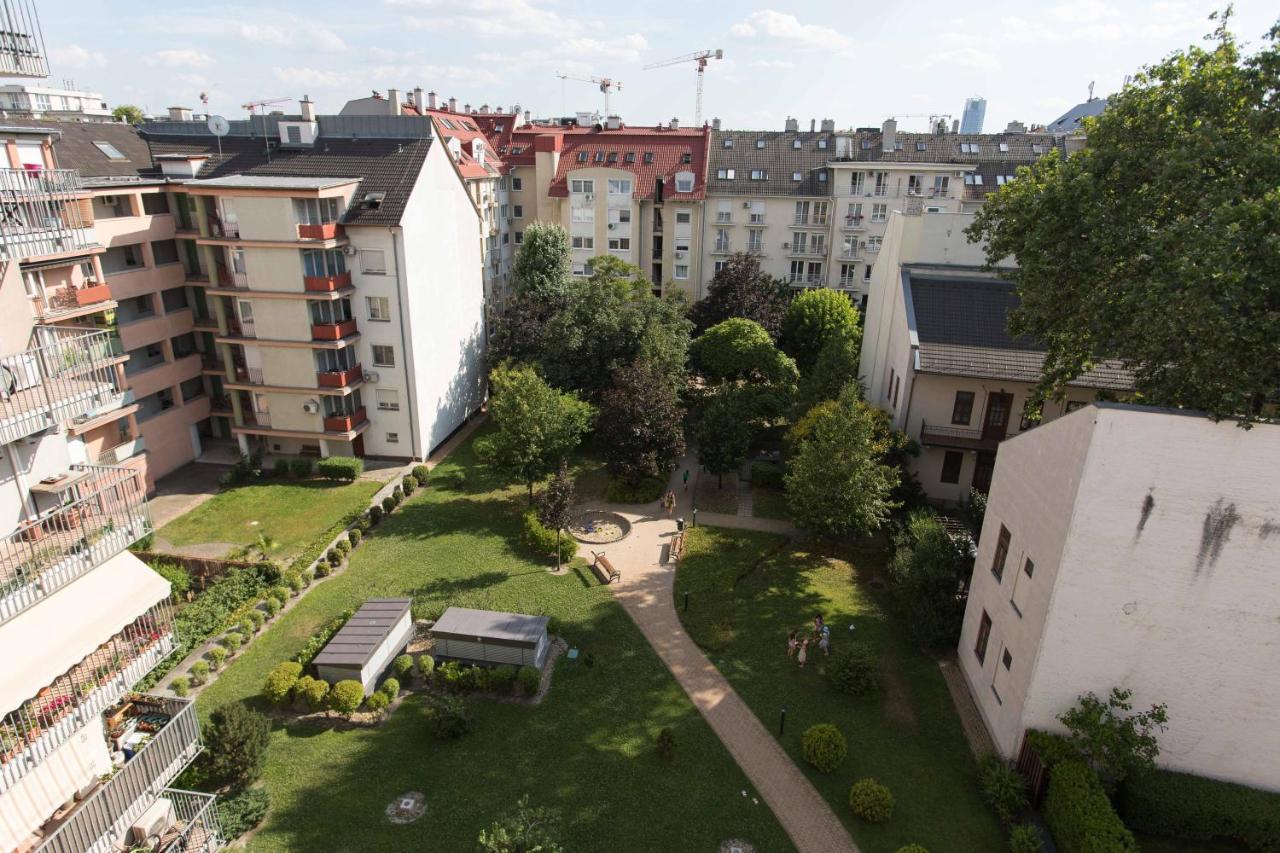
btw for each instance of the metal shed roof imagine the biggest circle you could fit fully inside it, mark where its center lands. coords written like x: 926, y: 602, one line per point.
x: 356, y: 641
x: 463, y: 623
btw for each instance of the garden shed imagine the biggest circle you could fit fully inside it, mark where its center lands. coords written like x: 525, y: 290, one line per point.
x: 372, y: 637
x: 491, y: 637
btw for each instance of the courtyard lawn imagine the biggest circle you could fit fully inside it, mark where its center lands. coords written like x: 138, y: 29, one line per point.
x: 292, y: 513
x: 769, y: 503
x: 709, y: 496
x: 748, y: 590
x: 586, y: 750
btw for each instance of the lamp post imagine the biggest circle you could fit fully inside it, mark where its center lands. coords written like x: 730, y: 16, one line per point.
x: 782, y: 721
x: 686, y: 601
x: 695, y: 517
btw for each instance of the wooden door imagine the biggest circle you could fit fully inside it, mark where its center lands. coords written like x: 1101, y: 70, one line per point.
x: 983, y: 468
x: 996, y: 422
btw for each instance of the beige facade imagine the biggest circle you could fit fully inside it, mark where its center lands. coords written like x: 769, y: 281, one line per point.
x: 1129, y: 547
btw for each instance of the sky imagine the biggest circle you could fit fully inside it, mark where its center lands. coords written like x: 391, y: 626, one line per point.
x: 854, y: 61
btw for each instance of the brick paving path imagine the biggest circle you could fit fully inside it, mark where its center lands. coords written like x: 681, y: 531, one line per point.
x: 645, y: 591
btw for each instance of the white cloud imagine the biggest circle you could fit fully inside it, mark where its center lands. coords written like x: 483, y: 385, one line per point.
x: 492, y: 18
x: 964, y: 57
x: 626, y: 48
x: 1083, y: 12
x: 180, y: 58
x: 313, y: 77
x: 787, y: 29
x: 262, y: 34
x: 75, y: 56
x: 775, y: 64
x: 325, y: 39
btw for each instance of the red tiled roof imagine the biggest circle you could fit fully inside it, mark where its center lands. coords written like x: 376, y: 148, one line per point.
x: 463, y: 128
x: 670, y: 149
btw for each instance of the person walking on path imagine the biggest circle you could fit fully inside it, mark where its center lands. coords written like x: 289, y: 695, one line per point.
x: 803, y: 653
x: 791, y: 645
x: 686, y: 479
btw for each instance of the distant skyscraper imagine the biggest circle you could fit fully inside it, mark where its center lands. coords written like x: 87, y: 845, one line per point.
x: 975, y: 110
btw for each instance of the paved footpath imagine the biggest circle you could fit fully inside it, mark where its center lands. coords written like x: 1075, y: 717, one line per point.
x: 645, y: 591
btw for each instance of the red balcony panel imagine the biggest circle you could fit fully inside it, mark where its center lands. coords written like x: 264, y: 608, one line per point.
x: 91, y: 294
x: 333, y: 331
x: 326, y: 283
x: 340, y: 378
x: 344, y: 423
x: 326, y: 231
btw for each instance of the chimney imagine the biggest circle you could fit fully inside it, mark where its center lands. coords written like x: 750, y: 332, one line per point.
x: 715, y: 124
x: 889, y: 135
x: 179, y: 114
x: 393, y: 95
x: 528, y: 117
x: 432, y: 101
x: 466, y: 108
x: 955, y: 125
x: 828, y: 125
x: 484, y: 109
x: 813, y: 125
x: 675, y: 124
x: 453, y: 105
x: 614, y: 122
x: 792, y: 125
x: 417, y: 98
x: 308, y: 108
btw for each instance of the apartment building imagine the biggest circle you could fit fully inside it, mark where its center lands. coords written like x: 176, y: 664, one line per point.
x: 85, y: 762
x: 937, y: 354
x: 341, y: 308
x: 43, y: 100
x: 1132, y: 547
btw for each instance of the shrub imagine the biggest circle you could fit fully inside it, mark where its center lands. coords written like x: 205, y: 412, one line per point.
x: 648, y: 490
x: 346, y: 696
x: 334, y: 558
x: 398, y: 494
x: 271, y: 605
x: 472, y: 679
x: 1052, y: 749
x: 824, y: 747
x: 322, y: 569
x: 402, y: 666
x: 180, y: 685
x: 280, y: 469
x: 529, y: 679
x: 854, y: 670
x: 354, y: 535
x: 296, y: 583
x: 217, y: 657
x: 235, y: 741
x: 1079, y: 814
x: 449, y: 716
x: 426, y: 665
x: 1179, y: 805
x: 377, y: 702
x: 280, y: 592
x: 388, y: 504
x: 177, y: 576
x: 232, y: 641
x: 363, y: 524
x: 312, y: 691
x: 240, y: 813
x: 245, y: 626
x: 375, y: 515
x: 666, y: 745
x: 301, y: 467
x: 1025, y: 838
x: 542, y: 539
x: 421, y: 473
x: 1003, y: 788
x: 199, y: 672
x: 317, y: 641
x: 766, y: 475
x: 342, y: 546
x: 502, y: 679
x: 344, y: 468
x: 447, y: 674
x: 409, y: 483
x: 871, y: 801
x: 280, y: 682
x: 391, y: 687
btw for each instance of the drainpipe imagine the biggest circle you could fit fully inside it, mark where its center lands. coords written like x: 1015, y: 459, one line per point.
x: 411, y: 397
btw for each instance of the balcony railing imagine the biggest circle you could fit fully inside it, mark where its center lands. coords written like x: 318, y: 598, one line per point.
x: 804, y: 279
x: 107, y: 813
x: 122, y: 451
x: 851, y: 253
x: 345, y: 423
x: 975, y: 192
x: 257, y: 419
x: 322, y: 231
x: 756, y: 219
x: 339, y: 378
x: 106, y: 514
x: 65, y: 374
x: 335, y: 331
x: 722, y: 247
x: 960, y: 438
x: 806, y: 248
x: 195, y: 828
x: 326, y: 283
x: 68, y: 300
x: 35, y: 730
x: 724, y: 217
x: 45, y: 213
x: 848, y: 281
x: 853, y: 221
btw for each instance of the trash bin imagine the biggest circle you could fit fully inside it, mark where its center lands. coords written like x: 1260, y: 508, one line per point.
x: 680, y: 525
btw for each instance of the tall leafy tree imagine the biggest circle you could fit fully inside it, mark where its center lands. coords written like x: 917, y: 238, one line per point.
x: 930, y: 570
x: 742, y: 289
x: 725, y: 431
x: 642, y: 422
x: 128, y: 113
x: 814, y: 318
x: 536, y: 426
x: 836, y: 367
x: 1113, y: 739
x: 542, y: 265
x: 837, y: 482
x: 555, y: 504
x: 741, y: 350
x: 1156, y: 244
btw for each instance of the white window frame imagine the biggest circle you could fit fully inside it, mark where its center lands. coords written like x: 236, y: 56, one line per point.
x: 373, y: 261
x: 582, y: 186
x: 386, y: 399
x: 386, y: 348
x: 620, y: 186
x: 681, y: 272
x: 374, y: 306
x: 582, y: 242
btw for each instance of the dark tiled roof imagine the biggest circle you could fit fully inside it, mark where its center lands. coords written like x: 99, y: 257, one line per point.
x: 962, y: 325
x: 388, y: 166
x: 946, y: 148
x: 779, y: 159
x: 1073, y: 119
x: 74, y: 148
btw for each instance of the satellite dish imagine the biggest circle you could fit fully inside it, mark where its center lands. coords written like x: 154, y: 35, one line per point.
x: 219, y: 126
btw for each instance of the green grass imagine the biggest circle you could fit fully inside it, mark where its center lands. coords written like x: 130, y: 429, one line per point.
x: 1161, y: 844
x: 769, y: 503
x: 711, y: 497
x: 748, y: 590
x: 587, y: 749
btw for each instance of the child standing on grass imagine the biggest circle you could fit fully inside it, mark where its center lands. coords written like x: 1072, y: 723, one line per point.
x: 791, y: 645
x: 803, y: 653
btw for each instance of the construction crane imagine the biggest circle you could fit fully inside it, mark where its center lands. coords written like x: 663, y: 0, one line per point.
x: 606, y: 84
x: 701, y: 57
x: 253, y: 106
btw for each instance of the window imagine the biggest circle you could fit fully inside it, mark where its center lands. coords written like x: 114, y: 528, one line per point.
x: 728, y: 142
x: 797, y: 176
x: 879, y: 212
x: 866, y: 145
x: 686, y: 157
x: 984, y: 635
x: 164, y: 252
x: 384, y: 356
x: 684, y: 182
x: 719, y: 265
x: 755, y: 240
x: 683, y: 217
x: 1004, y: 147
x: 973, y: 179
x: 154, y: 204
x: 582, y: 214
x: 620, y: 187
x: 796, y: 143
x: 1037, y: 148
x: 897, y: 146
x: 866, y: 273
x: 874, y: 243
x: 388, y: 399
x: 620, y: 215
x: 725, y: 174
x: 393, y: 438
x: 599, y: 157
x: 622, y: 244
x: 759, y: 143
x: 519, y: 237
x: 109, y: 150
x: 630, y: 157
x: 1001, y: 180
x: 920, y: 146
x: 822, y: 143
x: 952, y: 461
x: 584, y: 242
x: 822, y: 176
x: 517, y: 211
x: 1029, y: 567
x: 970, y: 148
x: 648, y: 157
x: 373, y: 261
x: 759, y: 174
x: 581, y: 186
x: 517, y: 184
x: 613, y: 157
x: 962, y: 410
x: 1001, y: 554
x: 582, y: 156
x: 682, y: 271
x: 378, y: 308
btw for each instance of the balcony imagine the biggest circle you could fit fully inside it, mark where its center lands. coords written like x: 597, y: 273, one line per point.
x: 66, y: 302
x: 848, y: 281
x: 958, y: 438
x: 801, y: 219
x: 326, y: 283
x: 322, y: 231
x: 36, y: 729
x: 851, y: 253
x: 854, y: 221
x: 256, y: 419
x: 123, y: 451
x: 819, y: 250
x: 724, y: 218
x: 195, y: 827
x: 344, y: 423
x: 333, y: 331
x: 722, y: 247
x: 100, y: 821
x: 67, y: 373
x: 249, y: 375
x: 105, y: 512
x: 939, y: 192
x: 975, y: 192
x: 803, y: 280
x: 756, y: 219
x: 46, y: 212
x: 339, y: 378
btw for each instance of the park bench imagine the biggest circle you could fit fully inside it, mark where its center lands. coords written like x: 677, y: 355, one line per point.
x: 605, y: 569
x: 677, y: 547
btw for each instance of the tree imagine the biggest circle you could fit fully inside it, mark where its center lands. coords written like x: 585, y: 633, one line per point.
x: 836, y: 367
x: 527, y: 829
x: 536, y: 426
x: 930, y: 570
x: 555, y: 504
x: 741, y: 350
x: 128, y: 113
x: 724, y: 432
x: 235, y: 740
x: 1155, y: 245
x: 643, y: 422
x: 837, y: 484
x: 518, y: 333
x: 742, y: 289
x: 1113, y: 740
x: 541, y: 269
x: 814, y: 318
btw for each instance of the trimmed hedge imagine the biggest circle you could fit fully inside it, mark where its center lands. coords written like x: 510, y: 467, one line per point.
x: 1079, y: 814
x: 421, y: 473
x: 1183, y: 806
x: 767, y: 475
x: 312, y: 647
x: 346, y: 696
x: 343, y: 468
x: 871, y: 800
x: 402, y: 665
x: 312, y: 691
x: 824, y: 747
x: 280, y: 682
x: 301, y: 467
x: 542, y: 539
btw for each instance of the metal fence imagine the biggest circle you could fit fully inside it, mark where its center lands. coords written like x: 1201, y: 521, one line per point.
x: 65, y: 373
x: 43, y: 212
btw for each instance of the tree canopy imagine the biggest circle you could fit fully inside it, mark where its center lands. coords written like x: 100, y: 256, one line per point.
x: 813, y: 319
x: 738, y: 349
x: 542, y: 265
x: 642, y: 423
x: 724, y: 431
x: 1157, y: 243
x: 555, y: 504
x: 835, y: 367
x: 742, y: 289
x: 930, y: 571
x: 128, y: 113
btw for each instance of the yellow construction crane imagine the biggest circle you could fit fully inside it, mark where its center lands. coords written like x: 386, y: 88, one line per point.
x: 606, y: 84
x: 702, y: 57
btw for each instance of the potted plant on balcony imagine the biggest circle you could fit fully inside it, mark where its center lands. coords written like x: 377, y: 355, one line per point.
x: 10, y: 743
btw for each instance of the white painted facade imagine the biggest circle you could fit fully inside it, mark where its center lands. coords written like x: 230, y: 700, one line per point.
x: 1151, y: 536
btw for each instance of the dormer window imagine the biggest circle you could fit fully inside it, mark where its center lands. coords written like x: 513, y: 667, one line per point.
x: 796, y: 143
x: 728, y: 142
x: 684, y: 182
x: 686, y: 157
x: 866, y: 145
x: 822, y: 143
x: 613, y: 156
x: 582, y: 156
x: 759, y: 143
x: 630, y: 157
x: 648, y: 157
x: 111, y: 152
x: 599, y: 156
x: 1004, y: 147
x: 920, y: 146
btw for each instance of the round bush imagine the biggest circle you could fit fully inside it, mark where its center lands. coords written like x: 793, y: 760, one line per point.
x: 354, y: 535
x: 375, y: 514
x: 334, y: 558
x: 854, y: 670
x: 1003, y: 788
x: 824, y: 747
x: 409, y: 483
x: 245, y: 626
x: 426, y: 665
x: 398, y: 494
x: 296, y: 584
x: 871, y: 801
x: 232, y: 640
x: 377, y: 702
x: 281, y: 592
x: 1025, y: 838
x: 449, y: 716
x: 346, y: 696
x: 391, y: 687
x: 529, y: 680
x: 217, y: 657
x: 343, y: 546
x: 502, y: 679
x: 388, y: 504
x: 181, y: 685
x: 271, y: 605
x: 402, y: 666
x: 280, y: 682
x: 312, y: 691
x: 199, y: 672
x: 363, y: 523
x: 421, y: 473
x: 322, y: 569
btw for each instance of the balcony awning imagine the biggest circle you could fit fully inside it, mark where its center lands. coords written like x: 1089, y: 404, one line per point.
x: 48, y: 639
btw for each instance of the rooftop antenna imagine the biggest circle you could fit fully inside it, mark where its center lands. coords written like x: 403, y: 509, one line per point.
x: 219, y: 127
x: 1091, y: 90
x: 701, y: 57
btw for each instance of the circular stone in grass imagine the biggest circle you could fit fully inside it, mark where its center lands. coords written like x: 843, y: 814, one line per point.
x: 736, y: 845
x: 407, y: 808
x: 596, y: 527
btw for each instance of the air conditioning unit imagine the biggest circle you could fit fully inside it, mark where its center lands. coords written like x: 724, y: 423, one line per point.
x: 613, y: 225
x: 589, y: 197
x: 349, y: 250
x: 311, y: 407
x: 786, y: 245
x: 746, y: 205
x: 680, y: 255
x: 370, y: 377
x: 154, y: 821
